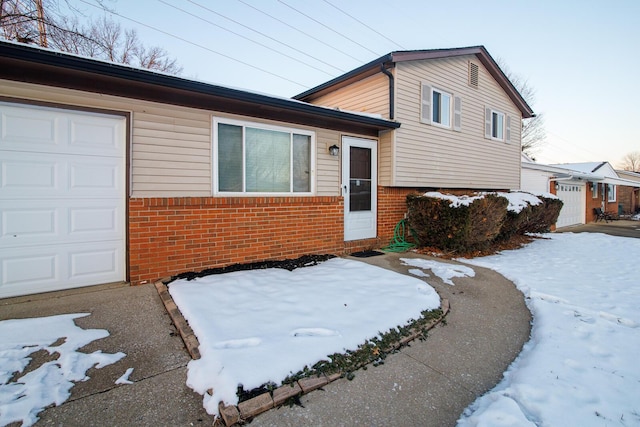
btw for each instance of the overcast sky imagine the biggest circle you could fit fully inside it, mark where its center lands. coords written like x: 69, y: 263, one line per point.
x: 575, y: 53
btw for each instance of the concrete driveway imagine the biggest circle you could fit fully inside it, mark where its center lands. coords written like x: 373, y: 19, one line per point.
x: 621, y: 228
x: 426, y: 384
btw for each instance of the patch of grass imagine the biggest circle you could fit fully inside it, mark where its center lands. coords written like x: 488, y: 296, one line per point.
x: 373, y: 351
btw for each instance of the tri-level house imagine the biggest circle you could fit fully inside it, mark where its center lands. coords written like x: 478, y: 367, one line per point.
x: 460, y: 131
x: 115, y: 174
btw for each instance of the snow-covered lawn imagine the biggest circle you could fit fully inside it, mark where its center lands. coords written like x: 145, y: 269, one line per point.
x: 51, y: 382
x: 580, y: 367
x: 260, y: 326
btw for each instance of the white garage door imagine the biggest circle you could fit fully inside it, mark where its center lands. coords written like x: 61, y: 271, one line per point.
x: 573, y: 197
x: 62, y: 199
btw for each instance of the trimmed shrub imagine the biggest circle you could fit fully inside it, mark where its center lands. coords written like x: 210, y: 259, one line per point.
x: 543, y: 216
x: 435, y: 222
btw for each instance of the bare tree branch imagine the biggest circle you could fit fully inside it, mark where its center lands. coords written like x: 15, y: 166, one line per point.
x: 631, y: 161
x: 42, y: 22
x: 533, y: 131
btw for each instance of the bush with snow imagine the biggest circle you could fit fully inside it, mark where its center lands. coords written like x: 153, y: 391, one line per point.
x: 471, y: 222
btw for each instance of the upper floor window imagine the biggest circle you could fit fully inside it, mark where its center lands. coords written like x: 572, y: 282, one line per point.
x: 440, y: 108
x: 497, y: 125
x: 252, y: 158
x: 611, y: 193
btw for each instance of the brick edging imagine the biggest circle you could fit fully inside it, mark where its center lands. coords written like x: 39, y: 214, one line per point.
x: 186, y: 333
x: 248, y: 409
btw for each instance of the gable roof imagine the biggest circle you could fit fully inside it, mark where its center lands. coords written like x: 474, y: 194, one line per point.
x: 388, y: 61
x: 30, y: 64
x: 601, y: 168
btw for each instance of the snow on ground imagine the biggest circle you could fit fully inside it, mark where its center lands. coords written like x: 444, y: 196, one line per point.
x: 260, y: 326
x: 580, y: 366
x: 50, y: 383
x: 444, y: 271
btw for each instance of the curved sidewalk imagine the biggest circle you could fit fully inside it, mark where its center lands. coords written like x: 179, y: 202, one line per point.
x: 430, y: 382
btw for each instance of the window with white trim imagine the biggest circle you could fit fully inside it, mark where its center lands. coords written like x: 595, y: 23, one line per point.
x: 594, y: 190
x: 252, y: 158
x: 611, y: 193
x: 497, y: 125
x: 440, y: 108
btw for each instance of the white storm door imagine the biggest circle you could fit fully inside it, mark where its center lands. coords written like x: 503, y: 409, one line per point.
x: 359, y: 187
x: 62, y: 199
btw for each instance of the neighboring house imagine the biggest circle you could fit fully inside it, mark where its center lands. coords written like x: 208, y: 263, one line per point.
x: 604, y: 189
x: 111, y: 174
x: 461, y: 126
x: 629, y: 197
x: 582, y: 187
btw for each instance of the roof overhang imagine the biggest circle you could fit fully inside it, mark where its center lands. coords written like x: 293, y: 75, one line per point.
x: 23, y: 63
x: 389, y: 61
x: 563, y: 174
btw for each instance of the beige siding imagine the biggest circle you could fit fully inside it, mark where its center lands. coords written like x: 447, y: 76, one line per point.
x: 386, y: 159
x: 370, y: 95
x: 170, y: 145
x: 431, y: 156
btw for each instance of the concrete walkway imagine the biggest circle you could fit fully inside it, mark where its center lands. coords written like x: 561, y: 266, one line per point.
x: 427, y: 384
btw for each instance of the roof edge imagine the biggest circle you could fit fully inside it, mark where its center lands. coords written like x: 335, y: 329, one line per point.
x: 414, y: 55
x: 37, y: 55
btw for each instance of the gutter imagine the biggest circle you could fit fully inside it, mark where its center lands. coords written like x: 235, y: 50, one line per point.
x: 392, y: 95
x: 31, y: 57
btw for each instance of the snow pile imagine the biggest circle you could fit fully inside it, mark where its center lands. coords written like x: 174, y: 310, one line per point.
x: 454, y: 201
x: 443, y: 270
x: 260, y: 326
x: 519, y: 200
x: 580, y: 366
x: 49, y: 384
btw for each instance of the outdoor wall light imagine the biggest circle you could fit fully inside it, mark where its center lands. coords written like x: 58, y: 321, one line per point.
x: 557, y: 186
x: 334, y: 150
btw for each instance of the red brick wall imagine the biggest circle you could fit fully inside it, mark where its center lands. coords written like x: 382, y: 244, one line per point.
x: 173, y: 235
x: 392, y: 205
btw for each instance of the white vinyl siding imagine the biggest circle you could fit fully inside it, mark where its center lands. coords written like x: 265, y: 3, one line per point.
x: 432, y: 156
x: 170, y: 149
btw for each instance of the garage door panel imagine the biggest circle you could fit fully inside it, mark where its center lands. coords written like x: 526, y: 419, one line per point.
x: 36, y: 222
x: 47, y: 130
x: 96, y: 135
x: 22, y: 174
x: 38, y: 129
x: 48, y: 176
x: 62, y: 199
x: 25, y: 270
x: 31, y: 223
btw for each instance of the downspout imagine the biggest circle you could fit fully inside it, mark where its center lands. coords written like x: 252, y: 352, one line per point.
x: 391, y: 90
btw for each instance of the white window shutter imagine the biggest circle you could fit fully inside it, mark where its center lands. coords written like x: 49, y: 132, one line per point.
x: 487, y: 123
x: 507, y: 132
x: 457, y: 113
x: 425, y: 105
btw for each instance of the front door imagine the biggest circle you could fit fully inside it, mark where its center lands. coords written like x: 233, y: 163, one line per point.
x: 359, y: 187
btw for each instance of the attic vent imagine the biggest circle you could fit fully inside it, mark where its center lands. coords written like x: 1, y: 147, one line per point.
x: 473, y: 74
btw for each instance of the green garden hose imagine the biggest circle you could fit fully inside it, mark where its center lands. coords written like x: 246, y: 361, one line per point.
x: 399, y: 244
